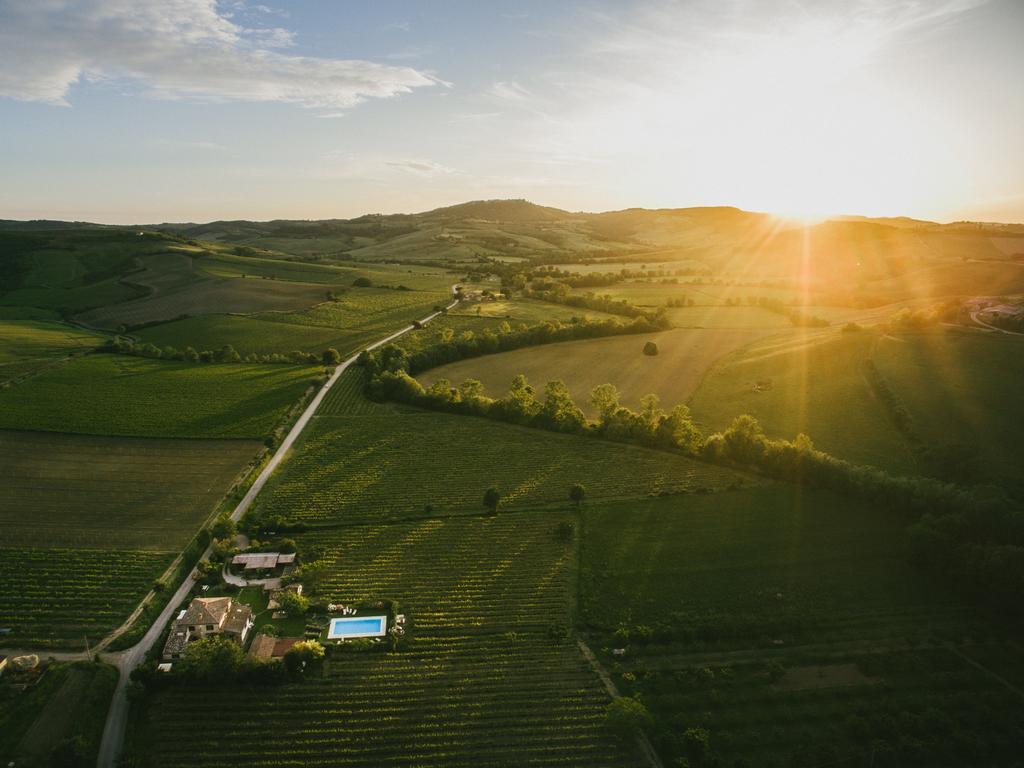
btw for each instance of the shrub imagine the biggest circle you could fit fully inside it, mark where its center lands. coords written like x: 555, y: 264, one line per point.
x: 626, y: 717
x: 650, y: 349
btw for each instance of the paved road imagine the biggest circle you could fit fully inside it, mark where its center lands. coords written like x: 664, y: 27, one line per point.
x: 126, y: 661
x: 979, y: 321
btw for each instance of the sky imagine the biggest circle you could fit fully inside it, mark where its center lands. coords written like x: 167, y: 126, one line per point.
x: 146, y: 111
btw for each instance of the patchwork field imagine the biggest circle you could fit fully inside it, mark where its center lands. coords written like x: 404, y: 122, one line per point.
x: 684, y: 355
x: 177, y: 287
x: 410, y: 463
x: 356, y: 319
x: 482, y: 681
x: 811, y: 382
x: 90, y: 522
x: 788, y: 625
x: 27, y: 346
x: 119, y: 395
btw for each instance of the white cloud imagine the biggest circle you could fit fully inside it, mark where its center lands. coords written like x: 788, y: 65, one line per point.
x: 509, y: 90
x: 379, y: 168
x: 176, y: 49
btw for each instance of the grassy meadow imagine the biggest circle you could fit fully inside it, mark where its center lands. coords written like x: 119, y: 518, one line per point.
x: 132, y: 396
x: 811, y: 382
x: 684, y: 355
x: 27, y: 346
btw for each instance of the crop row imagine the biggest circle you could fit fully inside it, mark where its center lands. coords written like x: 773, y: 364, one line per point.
x: 346, y: 397
x: 487, y: 702
x: 63, y: 595
x: 399, y: 465
x: 460, y: 574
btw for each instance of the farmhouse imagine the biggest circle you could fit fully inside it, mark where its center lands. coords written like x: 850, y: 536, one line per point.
x: 207, y: 616
x: 262, y: 561
x: 266, y: 647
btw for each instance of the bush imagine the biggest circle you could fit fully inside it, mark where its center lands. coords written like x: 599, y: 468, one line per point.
x: 650, y: 349
x: 626, y: 717
x: 362, y: 282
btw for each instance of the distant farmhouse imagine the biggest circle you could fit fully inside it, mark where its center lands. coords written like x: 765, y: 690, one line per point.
x: 207, y: 616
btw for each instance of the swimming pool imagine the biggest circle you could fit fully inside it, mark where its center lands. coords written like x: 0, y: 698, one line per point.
x: 357, y: 626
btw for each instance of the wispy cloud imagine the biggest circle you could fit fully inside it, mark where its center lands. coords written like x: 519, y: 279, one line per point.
x: 176, y: 49
x: 341, y: 164
x: 509, y: 90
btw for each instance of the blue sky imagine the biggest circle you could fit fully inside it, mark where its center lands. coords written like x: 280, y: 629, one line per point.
x: 134, y: 111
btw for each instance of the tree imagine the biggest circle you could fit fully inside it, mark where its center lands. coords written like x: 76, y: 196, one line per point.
x: 293, y: 604
x: 224, y: 528
x: 626, y: 717
x: 191, y: 355
x: 605, y: 398
x: 559, y: 410
x: 696, y: 744
x: 576, y: 494
x: 491, y: 499
x: 362, y: 282
x: 312, y: 574
x: 331, y: 357
x: 650, y: 349
x: 302, y: 653
x: 212, y: 659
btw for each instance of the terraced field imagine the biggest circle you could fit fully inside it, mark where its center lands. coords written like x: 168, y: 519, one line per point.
x: 481, y: 682
x: 118, y: 395
x: 63, y: 596
x: 684, y: 355
x: 112, y: 493
x: 356, y: 319
x: 392, y: 466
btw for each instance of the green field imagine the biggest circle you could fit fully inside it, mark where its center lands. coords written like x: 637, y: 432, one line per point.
x: 811, y: 382
x: 90, y: 522
x: 69, y: 702
x: 119, y: 395
x: 57, y: 596
x: 175, y: 287
x: 357, y: 319
x: 529, y: 311
x: 684, y: 355
x: 112, y: 493
x: 392, y: 466
x: 788, y: 624
x: 27, y: 346
x: 961, y: 389
x: 481, y: 681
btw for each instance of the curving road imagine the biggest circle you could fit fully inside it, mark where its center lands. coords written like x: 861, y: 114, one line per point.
x: 127, y: 660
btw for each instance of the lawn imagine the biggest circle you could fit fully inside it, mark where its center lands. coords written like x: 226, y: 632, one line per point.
x: 684, y: 355
x: 487, y: 676
x: 811, y: 382
x: 112, y: 493
x: 119, y: 395
x: 406, y: 463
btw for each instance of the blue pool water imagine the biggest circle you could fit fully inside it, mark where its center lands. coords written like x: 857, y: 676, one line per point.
x: 357, y: 626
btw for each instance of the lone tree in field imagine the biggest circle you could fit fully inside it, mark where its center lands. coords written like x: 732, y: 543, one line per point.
x: 331, y: 356
x: 650, y: 349
x: 491, y: 500
x: 362, y: 282
x: 576, y: 494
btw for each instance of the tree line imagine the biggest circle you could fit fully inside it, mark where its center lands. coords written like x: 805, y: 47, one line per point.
x: 225, y: 354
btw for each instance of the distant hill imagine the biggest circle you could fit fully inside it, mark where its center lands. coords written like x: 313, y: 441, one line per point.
x: 498, y: 210
x: 904, y: 222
